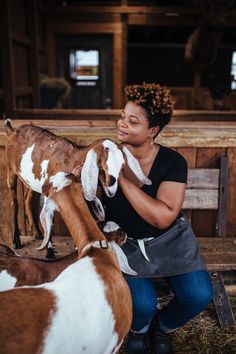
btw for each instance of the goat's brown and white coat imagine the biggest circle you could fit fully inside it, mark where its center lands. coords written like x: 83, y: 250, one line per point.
x: 18, y: 270
x: 87, y: 308
x: 41, y: 159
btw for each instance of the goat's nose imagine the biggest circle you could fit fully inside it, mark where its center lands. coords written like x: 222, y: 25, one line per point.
x: 112, y: 181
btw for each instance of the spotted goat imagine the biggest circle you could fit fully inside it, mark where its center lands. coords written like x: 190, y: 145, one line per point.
x: 87, y: 308
x: 38, y: 158
x: 16, y: 270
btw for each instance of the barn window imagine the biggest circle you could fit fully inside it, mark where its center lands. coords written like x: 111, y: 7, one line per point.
x: 84, y: 66
x: 233, y: 71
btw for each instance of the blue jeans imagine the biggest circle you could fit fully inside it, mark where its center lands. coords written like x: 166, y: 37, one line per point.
x: 192, y: 293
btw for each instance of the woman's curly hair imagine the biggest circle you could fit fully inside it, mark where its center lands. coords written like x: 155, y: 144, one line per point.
x: 156, y: 100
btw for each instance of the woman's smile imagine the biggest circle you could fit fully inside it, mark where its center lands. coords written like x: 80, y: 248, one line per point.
x: 121, y: 132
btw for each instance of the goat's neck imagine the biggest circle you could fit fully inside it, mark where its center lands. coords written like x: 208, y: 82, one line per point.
x: 76, y: 215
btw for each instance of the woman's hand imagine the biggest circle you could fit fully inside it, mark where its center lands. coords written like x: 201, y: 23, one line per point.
x: 122, y: 179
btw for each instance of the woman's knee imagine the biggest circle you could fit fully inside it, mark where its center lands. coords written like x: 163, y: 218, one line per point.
x: 145, y: 306
x: 198, y: 297
x: 197, y: 292
x: 144, y: 296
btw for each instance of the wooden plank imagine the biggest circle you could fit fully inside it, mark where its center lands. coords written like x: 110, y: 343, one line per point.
x: 20, y: 38
x: 187, y: 134
x: 111, y: 114
x: 7, y: 58
x: 223, y: 197
x: 190, y: 154
x: 23, y: 91
x: 51, y: 53
x: 34, y: 51
x: 160, y: 20
x: 117, y: 70
x: 221, y: 302
x: 203, y: 178
x: 219, y: 253
x: 5, y: 212
x: 86, y: 28
x: 231, y: 205
x: 124, y: 9
x: 204, y: 222
x: 199, y: 199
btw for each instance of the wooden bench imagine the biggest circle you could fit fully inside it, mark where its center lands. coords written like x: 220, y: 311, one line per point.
x: 207, y: 189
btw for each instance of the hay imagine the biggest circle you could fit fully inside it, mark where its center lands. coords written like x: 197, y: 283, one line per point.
x: 202, y: 335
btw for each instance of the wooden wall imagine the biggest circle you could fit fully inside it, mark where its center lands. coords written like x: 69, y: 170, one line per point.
x: 22, y: 53
x: 29, y: 30
x: 201, y: 143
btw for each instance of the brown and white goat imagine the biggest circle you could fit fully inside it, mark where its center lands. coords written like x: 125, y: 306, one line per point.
x: 86, y: 309
x: 38, y: 158
x: 17, y: 270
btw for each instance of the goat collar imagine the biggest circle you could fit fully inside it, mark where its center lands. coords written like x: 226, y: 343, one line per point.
x: 103, y: 244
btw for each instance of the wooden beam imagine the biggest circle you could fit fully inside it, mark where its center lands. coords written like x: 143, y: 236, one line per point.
x: 223, y: 197
x: 124, y: 54
x: 124, y: 9
x: 34, y: 51
x: 200, y: 199
x: 87, y: 28
x: 7, y: 58
x: 197, y: 92
x: 117, y: 70
x: 188, y: 116
x: 51, y: 53
x: 203, y: 178
x: 20, y: 38
x: 24, y: 91
x: 163, y: 20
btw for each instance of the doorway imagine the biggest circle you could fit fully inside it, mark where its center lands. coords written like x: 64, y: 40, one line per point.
x: 85, y: 61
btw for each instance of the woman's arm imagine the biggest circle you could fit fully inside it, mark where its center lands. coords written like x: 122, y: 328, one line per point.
x: 159, y: 212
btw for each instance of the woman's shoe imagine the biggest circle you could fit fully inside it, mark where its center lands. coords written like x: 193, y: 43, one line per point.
x: 160, y: 340
x: 137, y: 343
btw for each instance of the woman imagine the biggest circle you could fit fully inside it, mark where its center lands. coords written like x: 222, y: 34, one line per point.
x: 160, y: 241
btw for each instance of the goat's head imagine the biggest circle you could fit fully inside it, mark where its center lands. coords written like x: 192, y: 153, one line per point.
x: 104, y: 162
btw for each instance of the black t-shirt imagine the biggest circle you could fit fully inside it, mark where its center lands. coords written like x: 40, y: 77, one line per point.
x: 168, y: 165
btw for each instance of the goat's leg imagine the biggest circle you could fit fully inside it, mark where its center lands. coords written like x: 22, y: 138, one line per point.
x: 46, y: 219
x: 34, y: 229
x: 12, y: 185
x: 50, y: 250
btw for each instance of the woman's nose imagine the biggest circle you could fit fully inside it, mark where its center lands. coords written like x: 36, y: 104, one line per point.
x: 122, y: 123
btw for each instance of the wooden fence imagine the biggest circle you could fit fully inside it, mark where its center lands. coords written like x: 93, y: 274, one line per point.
x: 201, y: 143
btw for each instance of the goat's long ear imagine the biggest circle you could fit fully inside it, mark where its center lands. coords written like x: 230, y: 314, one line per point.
x: 98, y: 209
x: 104, y: 176
x: 89, y: 175
x: 135, y: 166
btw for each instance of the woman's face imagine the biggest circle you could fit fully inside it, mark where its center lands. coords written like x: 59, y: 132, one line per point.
x: 133, y: 125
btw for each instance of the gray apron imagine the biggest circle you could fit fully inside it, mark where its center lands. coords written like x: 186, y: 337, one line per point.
x: 174, y: 252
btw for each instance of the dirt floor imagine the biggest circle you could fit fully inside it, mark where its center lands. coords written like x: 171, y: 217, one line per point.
x: 202, y: 335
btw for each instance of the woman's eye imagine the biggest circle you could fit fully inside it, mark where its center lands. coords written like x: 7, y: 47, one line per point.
x: 133, y: 122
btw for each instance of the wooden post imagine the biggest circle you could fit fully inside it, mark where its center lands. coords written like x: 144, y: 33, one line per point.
x: 7, y: 59
x: 124, y: 18
x: 197, y: 95
x: 34, y: 52
x: 222, y: 218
